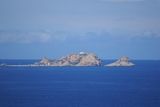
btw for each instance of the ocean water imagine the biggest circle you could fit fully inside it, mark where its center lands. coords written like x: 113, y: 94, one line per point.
x: 137, y: 86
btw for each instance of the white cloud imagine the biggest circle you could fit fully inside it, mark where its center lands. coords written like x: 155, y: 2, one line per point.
x: 66, y: 36
x: 27, y: 37
x: 24, y: 37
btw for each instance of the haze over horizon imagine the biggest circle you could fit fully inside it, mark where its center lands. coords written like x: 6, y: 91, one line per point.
x: 31, y: 29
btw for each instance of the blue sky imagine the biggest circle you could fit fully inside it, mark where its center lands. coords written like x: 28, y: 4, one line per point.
x: 110, y: 28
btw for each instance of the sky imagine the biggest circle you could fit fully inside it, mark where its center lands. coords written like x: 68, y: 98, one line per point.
x: 32, y: 29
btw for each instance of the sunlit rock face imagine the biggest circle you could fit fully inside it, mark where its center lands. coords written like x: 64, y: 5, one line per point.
x: 89, y: 60
x: 80, y: 59
x: 123, y: 61
x: 45, y: 61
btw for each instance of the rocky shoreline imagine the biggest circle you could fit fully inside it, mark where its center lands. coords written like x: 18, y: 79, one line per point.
x: 77, y: 59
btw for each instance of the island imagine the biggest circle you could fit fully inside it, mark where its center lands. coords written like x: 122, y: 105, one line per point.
x: 123, y: 61
x: 75, y: 59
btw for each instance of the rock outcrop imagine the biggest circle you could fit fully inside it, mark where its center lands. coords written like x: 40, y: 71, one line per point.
x: 45, y: 61
x: 81, y: 59
x: 123, y: 61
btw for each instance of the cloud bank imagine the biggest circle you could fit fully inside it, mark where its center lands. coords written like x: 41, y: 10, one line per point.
x: 24, y: 37
x: 35, y: 44
x: 28, y: 37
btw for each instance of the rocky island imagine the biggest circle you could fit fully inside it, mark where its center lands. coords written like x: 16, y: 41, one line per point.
x: 80, y: 59
x: 123, y: 61
x: 77, y: 59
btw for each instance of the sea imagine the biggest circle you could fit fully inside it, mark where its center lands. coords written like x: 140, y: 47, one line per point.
x: 137, y: 86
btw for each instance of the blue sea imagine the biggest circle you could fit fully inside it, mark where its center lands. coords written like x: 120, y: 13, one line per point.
x: 137, y: 86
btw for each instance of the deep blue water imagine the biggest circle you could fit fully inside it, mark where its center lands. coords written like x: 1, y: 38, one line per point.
x: 137, y: 86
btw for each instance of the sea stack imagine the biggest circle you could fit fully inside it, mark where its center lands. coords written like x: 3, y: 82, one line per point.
x: 80, y: 59
x: 123, y: 61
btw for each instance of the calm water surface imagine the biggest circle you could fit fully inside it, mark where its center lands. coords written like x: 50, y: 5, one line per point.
x: 137, y: 86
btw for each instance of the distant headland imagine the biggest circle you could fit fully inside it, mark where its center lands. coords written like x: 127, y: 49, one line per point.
x: 78, y: 59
